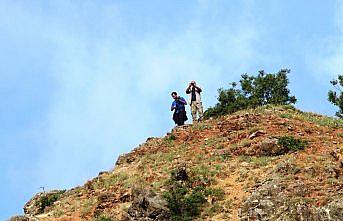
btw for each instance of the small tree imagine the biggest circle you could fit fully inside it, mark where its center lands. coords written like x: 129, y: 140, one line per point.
x: 254, y: 91
x: 336, y: 97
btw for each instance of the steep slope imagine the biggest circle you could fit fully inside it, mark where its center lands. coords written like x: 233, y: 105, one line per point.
x: 272, y: 163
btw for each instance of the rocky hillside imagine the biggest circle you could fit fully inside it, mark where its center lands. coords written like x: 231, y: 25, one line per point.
x: 272, y: 163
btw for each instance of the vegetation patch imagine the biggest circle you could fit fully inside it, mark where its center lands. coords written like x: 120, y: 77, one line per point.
x: 87, y: 207
x: 201, y: 126
x: 253, y: 91
x: 288, y: 111
x: 169, y: 140
x: 260, y: 161
x: 188, y: 194
x: 48, y: 200
x: 112, y: 179
x: 292, y: 144
x: 321, y: 120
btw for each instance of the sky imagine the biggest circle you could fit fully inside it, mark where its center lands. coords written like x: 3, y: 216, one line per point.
x: 83, y: 81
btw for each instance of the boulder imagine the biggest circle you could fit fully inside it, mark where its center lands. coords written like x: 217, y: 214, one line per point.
x: 147, y: 206
x: 23, y: 218
x: 256, y: 134
x: 270, y: 147
x: 180, y: 173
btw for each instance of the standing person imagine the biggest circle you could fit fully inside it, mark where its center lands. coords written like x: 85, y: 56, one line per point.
x: 195, y: 101
x: 178, y: 106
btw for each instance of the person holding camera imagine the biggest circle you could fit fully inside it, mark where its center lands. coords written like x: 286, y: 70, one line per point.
x: 195, y: 101
x: 178, y: 106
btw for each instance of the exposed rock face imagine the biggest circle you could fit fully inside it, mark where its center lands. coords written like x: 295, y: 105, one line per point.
x: 106, y: 200
x: 338, y: 156
x: 272, y: 201
x: 19, y: 218
x: 333, y: 211
x: 147, y: 206
x: 125, y: 158
x: 22, y: 218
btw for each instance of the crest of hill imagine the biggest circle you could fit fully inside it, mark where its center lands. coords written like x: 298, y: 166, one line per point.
x: 270, y: 163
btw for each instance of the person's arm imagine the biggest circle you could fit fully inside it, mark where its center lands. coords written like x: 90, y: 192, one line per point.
x: 188, y: 90
x: 198, y: 88
x: 173, y: 106
x: 183, y: 101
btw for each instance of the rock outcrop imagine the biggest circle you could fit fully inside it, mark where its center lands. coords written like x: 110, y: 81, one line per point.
x: 147, y: 206
x: 23, y: 218
x: 274, y: 201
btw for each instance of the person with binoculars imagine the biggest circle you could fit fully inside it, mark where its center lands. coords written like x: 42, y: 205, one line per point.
x: 195, y: 101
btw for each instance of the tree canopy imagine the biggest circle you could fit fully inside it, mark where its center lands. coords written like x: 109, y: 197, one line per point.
x: 253, y: 91
x: 336, y: 96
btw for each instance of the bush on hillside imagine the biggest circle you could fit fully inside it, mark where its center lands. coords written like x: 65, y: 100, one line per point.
x: 186, y: 195
x: 292, y: 144
x: 48, y: 200
x: 253, y: 91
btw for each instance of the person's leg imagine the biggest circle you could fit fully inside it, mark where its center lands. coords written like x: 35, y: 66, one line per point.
x: 200, y: 111
x: 181, y: 120
x: 175, y: 118
x: 194, y: 111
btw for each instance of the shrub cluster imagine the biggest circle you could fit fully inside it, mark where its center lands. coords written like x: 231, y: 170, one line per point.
x: 48, y: 200
x: 290, y: 143
x: 254, y: 91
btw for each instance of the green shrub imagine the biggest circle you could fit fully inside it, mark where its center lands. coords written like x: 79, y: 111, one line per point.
x: 254, y: 91
x: 184, y: 203
x: 48, y: 200
x: 215, y: 192
x: 187, y: 197
x: 292, y: 144
x: 168, y: 140
x: 172, y: 137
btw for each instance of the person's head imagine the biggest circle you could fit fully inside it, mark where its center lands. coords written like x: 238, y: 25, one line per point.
x: 174, y: 95
x: 193, y: 83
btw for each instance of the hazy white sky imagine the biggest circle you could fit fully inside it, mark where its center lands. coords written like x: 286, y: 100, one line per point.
x: 84, y: 81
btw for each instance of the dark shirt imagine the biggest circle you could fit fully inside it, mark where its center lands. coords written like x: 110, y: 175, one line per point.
x: 194, y: 97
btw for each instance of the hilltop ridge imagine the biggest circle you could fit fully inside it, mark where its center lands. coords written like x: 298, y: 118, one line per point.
x: 270, y: 163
